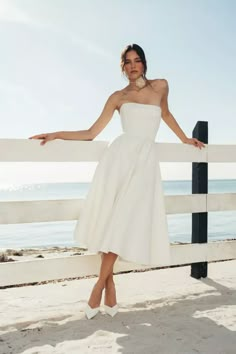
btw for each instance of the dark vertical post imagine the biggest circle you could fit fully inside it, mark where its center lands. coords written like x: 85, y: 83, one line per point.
x: 199, y: 185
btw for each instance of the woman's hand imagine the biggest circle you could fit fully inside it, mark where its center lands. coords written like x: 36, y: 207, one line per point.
x: 45, y: 137
x: 194, y: 141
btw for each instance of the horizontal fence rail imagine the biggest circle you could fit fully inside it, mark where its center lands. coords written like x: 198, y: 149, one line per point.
x: 12, y: 212
x: 21, y: 150
x: 69, y: 209
x: 23, y: 272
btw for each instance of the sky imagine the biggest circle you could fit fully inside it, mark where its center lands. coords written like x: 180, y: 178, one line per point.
x: 60, y: 59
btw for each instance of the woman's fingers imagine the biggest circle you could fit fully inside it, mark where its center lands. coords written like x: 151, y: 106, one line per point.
x: 39, y: 136
x: 195, y: 142
x: 45, y: 137
x: 43, y: 142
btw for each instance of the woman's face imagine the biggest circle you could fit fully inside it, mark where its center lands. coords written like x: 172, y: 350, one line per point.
x: 133, y: 66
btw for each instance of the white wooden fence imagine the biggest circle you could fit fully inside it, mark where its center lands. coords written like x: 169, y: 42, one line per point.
x: 22, y: 272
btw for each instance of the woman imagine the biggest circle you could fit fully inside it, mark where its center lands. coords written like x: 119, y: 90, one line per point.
x: 124, y: 212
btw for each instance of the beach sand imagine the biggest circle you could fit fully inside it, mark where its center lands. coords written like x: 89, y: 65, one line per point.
x: 29, y: 254
x: 162, y: 311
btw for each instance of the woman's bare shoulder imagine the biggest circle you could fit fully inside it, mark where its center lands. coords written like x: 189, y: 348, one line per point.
x: 159, y: 83
x: 117, y: 94
x: 115, y: 98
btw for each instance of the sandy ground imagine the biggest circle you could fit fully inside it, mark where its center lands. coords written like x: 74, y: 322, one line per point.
x: 28, y: 254
x: 162, y: 311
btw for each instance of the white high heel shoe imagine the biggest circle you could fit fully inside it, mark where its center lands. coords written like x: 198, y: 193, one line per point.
x: 112, y: 311
x: 91, y: 312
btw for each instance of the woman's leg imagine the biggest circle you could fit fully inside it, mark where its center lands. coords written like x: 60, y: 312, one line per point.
x: 110, y: 294
x: 110, y: 291
x: 105, y: 279
x: 110, y: 276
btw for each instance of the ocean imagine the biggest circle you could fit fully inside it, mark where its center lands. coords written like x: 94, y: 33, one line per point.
x: 221, y: 225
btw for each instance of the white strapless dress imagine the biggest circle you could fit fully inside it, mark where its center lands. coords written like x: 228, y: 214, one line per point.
x: 124, y: 210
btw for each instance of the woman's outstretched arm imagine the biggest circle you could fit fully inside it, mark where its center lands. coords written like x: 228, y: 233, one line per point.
x: 172, y: 123
x: 88, y: 134
x: 65, y: 135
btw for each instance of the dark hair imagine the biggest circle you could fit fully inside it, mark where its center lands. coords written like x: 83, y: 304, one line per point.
x: 140, y: 53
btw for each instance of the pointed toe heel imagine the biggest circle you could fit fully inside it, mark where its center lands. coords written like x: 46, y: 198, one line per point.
x: 91, y: 312
x: 112, y: 311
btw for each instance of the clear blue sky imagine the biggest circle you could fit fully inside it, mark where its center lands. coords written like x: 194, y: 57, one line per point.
x: 60, y: 61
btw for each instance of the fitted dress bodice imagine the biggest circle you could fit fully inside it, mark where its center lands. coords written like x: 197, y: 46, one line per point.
x: 140, y: 119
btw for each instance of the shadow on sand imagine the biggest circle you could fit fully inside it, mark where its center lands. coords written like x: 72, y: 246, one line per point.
x: 167, y: 326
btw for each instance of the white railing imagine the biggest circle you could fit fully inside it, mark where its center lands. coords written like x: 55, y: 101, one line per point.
x: 21, y: 272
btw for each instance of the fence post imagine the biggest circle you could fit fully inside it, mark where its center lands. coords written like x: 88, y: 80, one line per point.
x: 200, y: 185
